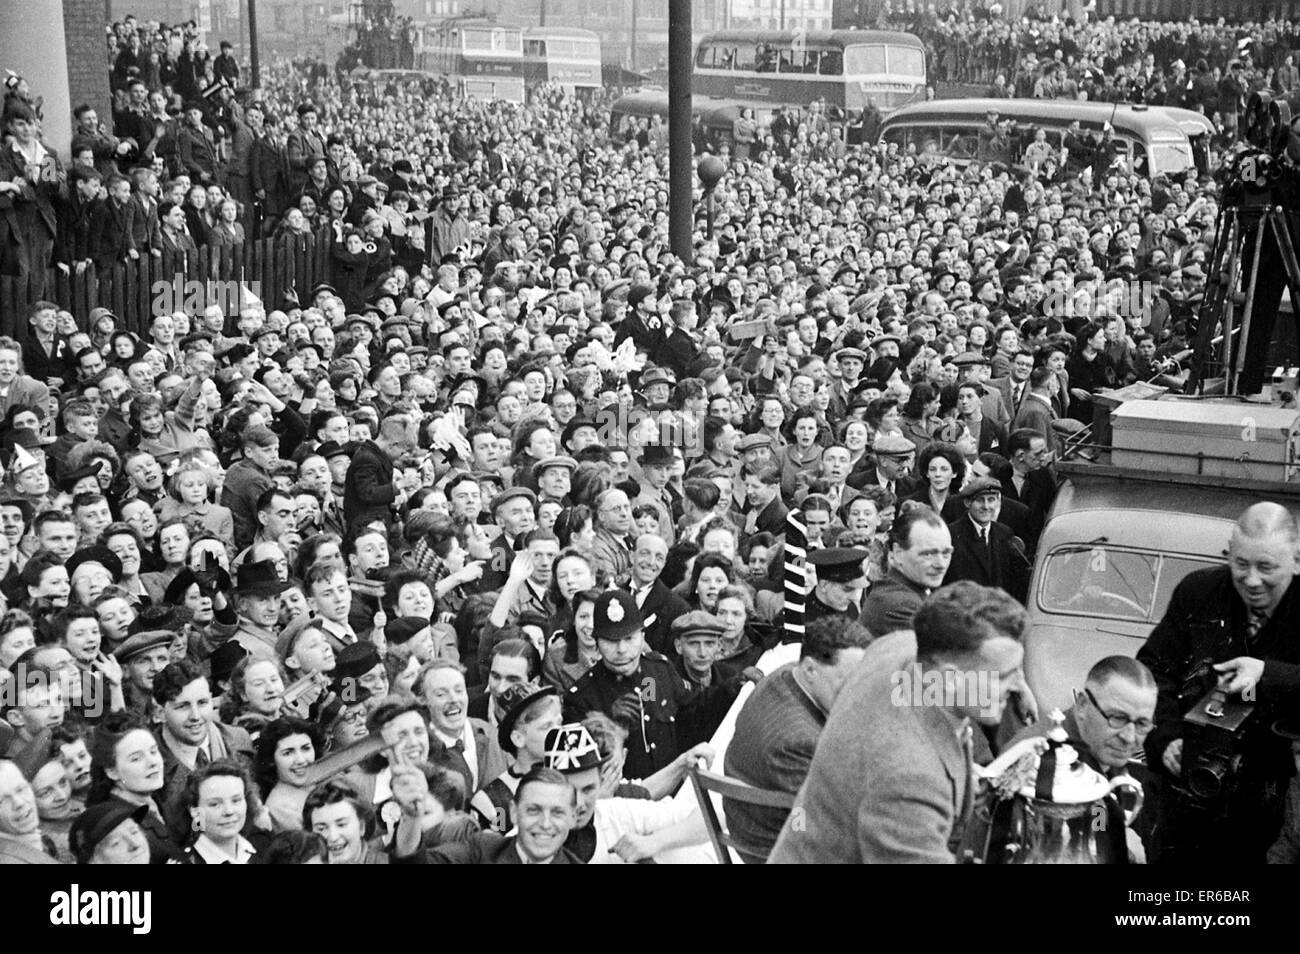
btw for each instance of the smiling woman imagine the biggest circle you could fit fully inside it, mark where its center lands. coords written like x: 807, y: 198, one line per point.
x: 286, y: 750
x: 221, y: 801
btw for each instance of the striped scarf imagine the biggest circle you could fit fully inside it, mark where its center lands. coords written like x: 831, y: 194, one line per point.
x: 795, y: 576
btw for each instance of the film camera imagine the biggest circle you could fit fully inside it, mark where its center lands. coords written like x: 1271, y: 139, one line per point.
x: 1214, y: 732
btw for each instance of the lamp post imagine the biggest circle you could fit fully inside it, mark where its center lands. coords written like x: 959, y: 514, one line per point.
x: 679, y: 128
x: 710, y: 169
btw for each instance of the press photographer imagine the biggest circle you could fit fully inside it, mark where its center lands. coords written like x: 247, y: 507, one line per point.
x: 1237, y: 625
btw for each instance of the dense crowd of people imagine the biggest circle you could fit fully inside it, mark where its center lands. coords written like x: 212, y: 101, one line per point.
x: 501, y: 516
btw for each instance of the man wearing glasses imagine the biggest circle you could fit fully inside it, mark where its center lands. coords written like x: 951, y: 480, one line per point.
x: 1108, y: 724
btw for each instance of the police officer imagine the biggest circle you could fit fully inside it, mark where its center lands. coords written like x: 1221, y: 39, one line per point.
x: 841, y: 578
x: 642, y: 690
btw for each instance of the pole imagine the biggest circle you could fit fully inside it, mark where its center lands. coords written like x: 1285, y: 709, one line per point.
x: 254, y: 62
x: 541, y: 16
x: 636, y: 9
x: 782, y: 14
x: 680, y: 171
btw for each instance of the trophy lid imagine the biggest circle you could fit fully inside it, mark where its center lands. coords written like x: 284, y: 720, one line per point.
x: 1073, y: 782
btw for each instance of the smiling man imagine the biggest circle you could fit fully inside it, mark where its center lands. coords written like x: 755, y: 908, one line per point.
x: 920, y: 550
x: 21, y: 841
x: 1253, y: 606
x: 190, y: 736
x: 889, y: 779
x: 470, y: 746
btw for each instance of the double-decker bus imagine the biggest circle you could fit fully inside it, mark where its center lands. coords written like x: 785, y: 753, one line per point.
x: 566, y: 56
x: 483, y: 58
x: 845, y: 68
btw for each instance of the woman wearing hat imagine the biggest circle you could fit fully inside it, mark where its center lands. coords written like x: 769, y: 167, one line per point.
x: 221, y: 803
x: 286, y: 751
x: 110, y: 834
x: 127, y: 769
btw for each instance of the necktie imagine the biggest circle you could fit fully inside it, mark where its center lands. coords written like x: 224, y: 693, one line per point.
x: 984, y: 537
x: 201, y: 760
x: 456, y: 760
x: 1254, y: 623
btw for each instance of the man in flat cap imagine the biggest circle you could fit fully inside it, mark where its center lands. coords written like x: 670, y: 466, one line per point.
x: 985, y: 551
x: 554, y: 477
x: 895, y: 456
x: 851, y: 363
x: 142, y: 656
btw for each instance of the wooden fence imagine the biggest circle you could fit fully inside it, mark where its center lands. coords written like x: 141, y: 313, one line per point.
x: 137, y: 290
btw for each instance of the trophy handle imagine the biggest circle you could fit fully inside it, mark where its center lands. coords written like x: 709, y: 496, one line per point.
x: 1129, y: 782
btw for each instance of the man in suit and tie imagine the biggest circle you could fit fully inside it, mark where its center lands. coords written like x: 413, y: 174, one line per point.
x: 837, y: 462
x: 471, y: 745
x: 995, y: 398
x: 659, y: 605
x: 778, y: 727
x: 891, y: 778
x: 1015, y: 385
x: 983, y: 550
x: 1030, y: 479
x: 895, y: 456
x: 1036, y: 411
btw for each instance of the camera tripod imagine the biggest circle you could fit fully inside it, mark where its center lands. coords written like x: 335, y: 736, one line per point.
x: 1249, y: 236
x: 1254, y: 255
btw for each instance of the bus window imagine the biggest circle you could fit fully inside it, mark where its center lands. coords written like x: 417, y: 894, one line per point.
x: 1139, y: 159
x: 744, y: 56
x: 860, y: 60
x: 962, y: 144
x: 896, y: 136
x: 706, y: 56
x: 906, y: 61
x: 766, y: 59
x: 790, y: 61
x: 832, y: 63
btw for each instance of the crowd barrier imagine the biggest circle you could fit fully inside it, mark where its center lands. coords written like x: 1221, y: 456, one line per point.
x: 136, y: 290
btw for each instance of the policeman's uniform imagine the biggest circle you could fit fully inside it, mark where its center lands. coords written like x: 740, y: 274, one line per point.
x: 673, y: 713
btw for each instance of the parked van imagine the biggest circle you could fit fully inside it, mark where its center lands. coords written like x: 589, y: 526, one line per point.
x: 1149, y: 140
